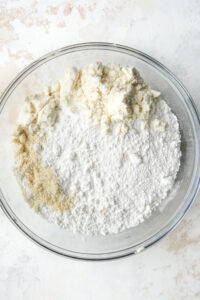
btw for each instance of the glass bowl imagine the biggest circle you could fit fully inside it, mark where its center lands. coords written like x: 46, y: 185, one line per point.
x: 51, y: 67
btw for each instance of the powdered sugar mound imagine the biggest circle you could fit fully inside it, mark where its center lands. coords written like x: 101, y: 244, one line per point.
x: 117, y: 180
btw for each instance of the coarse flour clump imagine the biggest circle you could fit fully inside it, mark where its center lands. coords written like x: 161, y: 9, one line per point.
x: 107, y: 145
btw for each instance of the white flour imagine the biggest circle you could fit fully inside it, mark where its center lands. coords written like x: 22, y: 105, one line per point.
x: 98, y: 150
x: 118, y: 179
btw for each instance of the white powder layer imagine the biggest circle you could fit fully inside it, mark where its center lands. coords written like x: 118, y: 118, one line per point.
x: 117, y: 179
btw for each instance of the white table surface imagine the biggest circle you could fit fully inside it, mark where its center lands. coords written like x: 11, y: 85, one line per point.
x: 170, y: 32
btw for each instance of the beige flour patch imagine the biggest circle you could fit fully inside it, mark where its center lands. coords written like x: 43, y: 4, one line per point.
x: 42, y: 182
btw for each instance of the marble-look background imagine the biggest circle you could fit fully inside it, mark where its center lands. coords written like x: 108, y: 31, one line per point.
x: 169, y: 31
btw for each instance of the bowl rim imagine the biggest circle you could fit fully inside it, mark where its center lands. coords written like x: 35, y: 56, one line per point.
x: 134, y: 249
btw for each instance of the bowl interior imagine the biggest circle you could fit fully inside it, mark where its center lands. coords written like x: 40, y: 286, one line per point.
x: 61, y: 240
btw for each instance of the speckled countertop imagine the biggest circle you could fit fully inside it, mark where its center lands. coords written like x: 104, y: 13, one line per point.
x: 169, y: 31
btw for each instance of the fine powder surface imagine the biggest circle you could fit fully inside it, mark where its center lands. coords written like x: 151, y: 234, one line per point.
x: 96, y: 151
x: 118, y: 179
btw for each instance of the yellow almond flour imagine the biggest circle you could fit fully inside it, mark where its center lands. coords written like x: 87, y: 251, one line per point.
x: 42, y: 182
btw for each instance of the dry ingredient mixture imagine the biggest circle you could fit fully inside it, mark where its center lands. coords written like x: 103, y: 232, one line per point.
x: 97, y: 151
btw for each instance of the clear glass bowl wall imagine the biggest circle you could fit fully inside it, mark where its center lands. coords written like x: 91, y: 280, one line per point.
x: 52, y: 67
